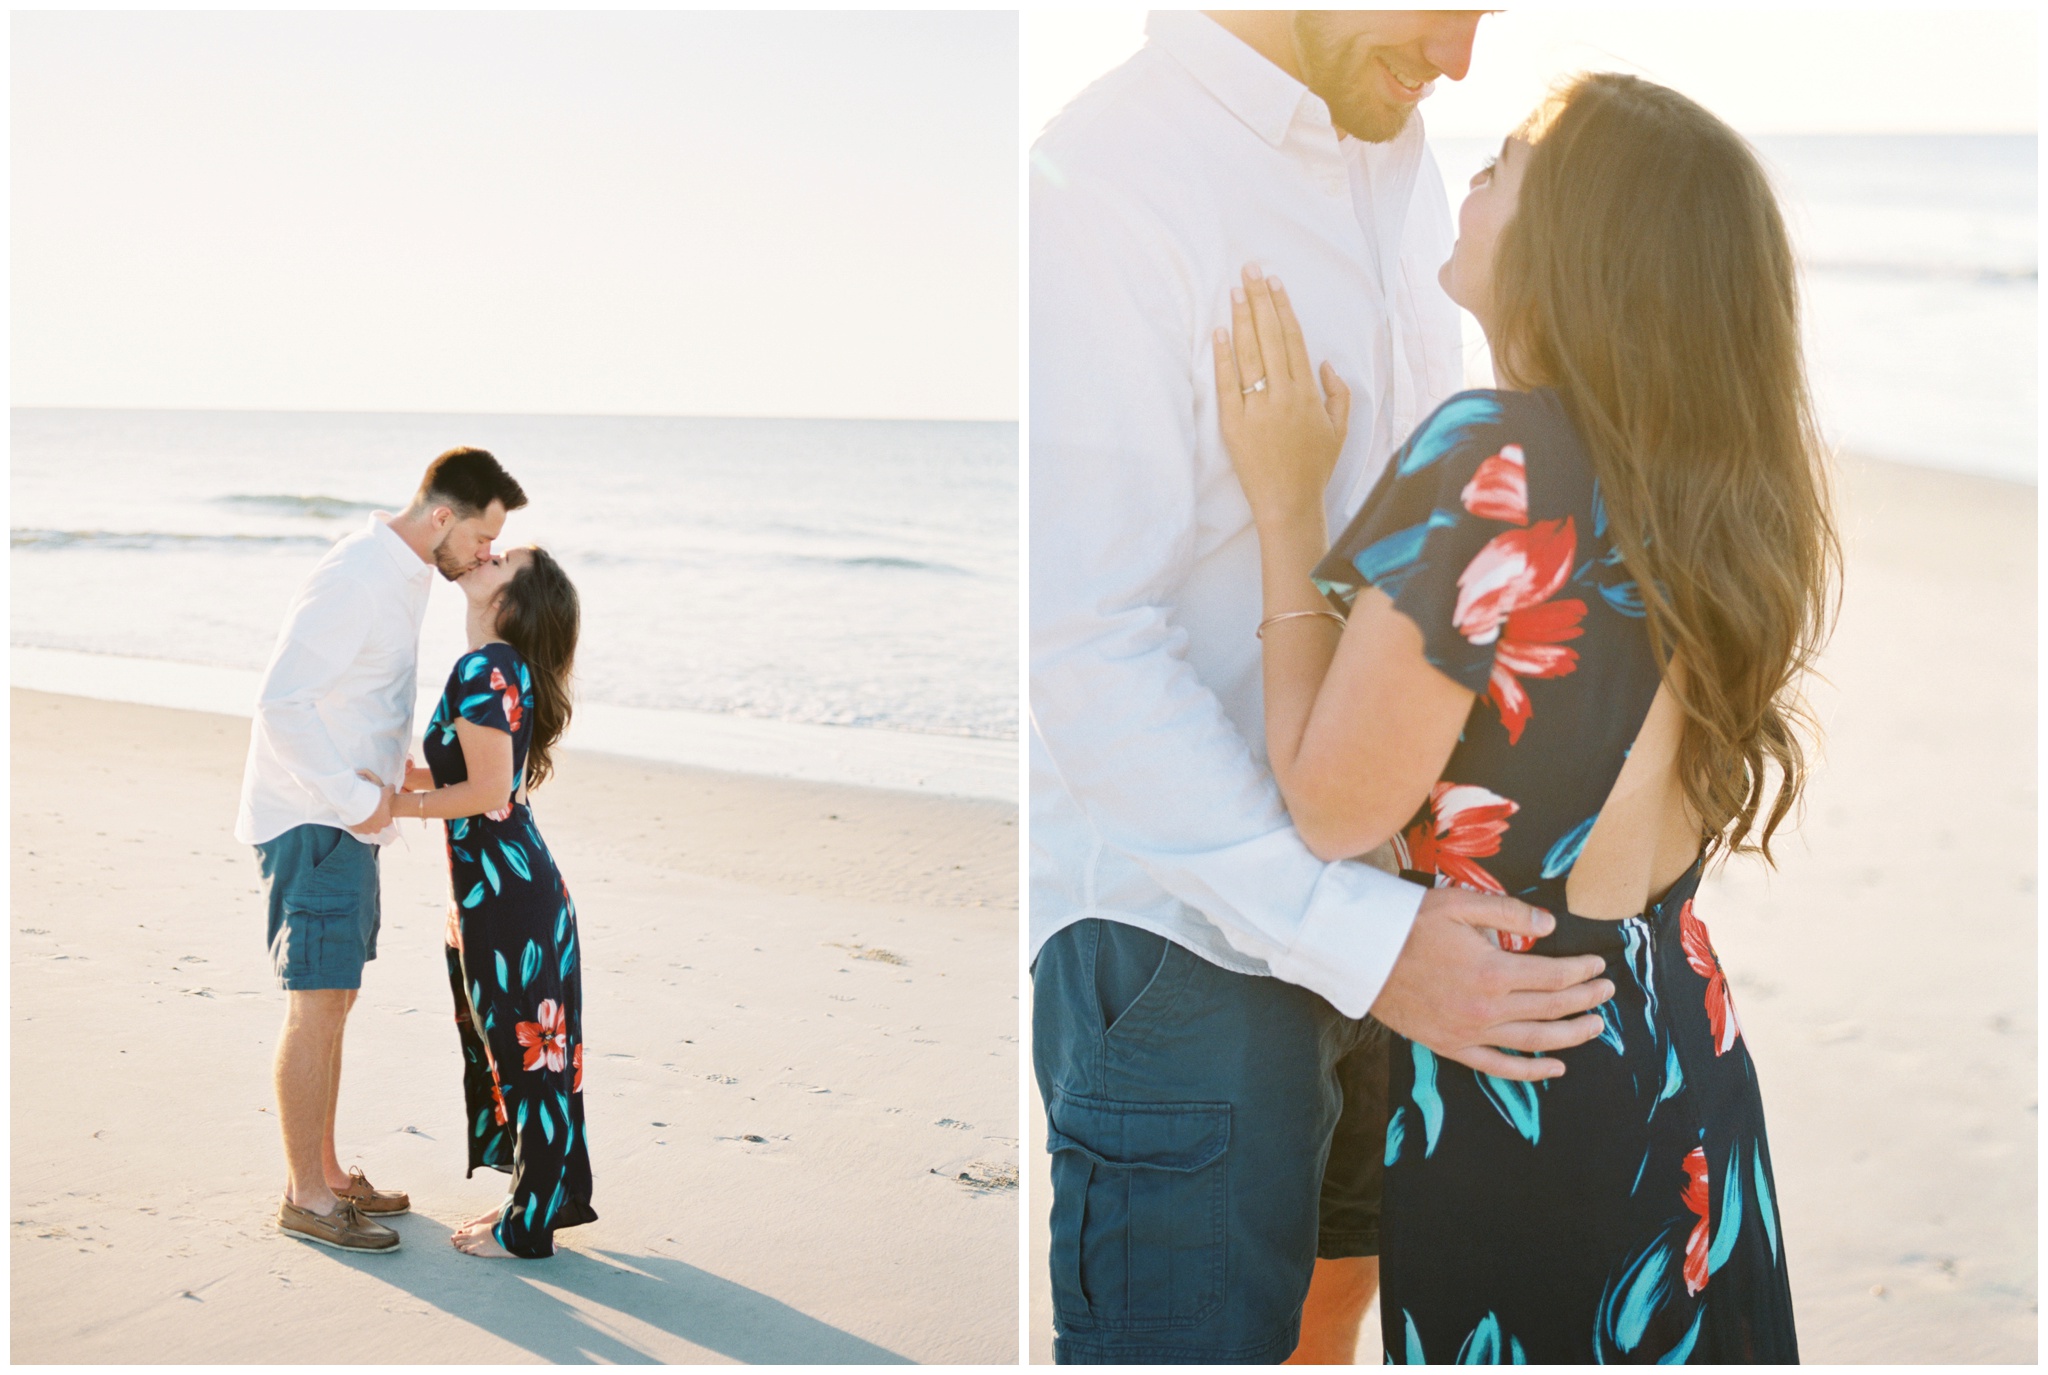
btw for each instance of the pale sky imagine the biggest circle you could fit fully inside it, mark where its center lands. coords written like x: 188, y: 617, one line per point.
x: 638, y: 213
x: 1775, y: 71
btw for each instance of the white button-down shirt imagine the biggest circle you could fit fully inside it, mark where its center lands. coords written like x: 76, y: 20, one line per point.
x: 1151, y: 799
x: 338, y: 694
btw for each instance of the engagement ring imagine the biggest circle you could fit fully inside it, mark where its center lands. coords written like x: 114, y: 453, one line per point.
x: 1259, y: 385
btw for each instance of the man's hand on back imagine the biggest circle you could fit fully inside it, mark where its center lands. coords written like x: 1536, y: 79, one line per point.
x: 1456, y: 991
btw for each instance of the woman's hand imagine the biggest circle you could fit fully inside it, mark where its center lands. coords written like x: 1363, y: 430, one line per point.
x: 1284, y: 435
x: 417, y: 779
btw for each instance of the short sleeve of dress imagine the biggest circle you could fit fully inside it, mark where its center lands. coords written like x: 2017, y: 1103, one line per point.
x: 491, y: 683
x: 1446, y: 534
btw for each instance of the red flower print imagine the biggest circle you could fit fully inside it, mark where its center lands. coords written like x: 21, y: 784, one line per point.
x: 511, y: 695
x: 1516, y: 569
x: 1500, y: 489
x: 547, y: 1040
x: 498, y: 1098
x: 1466, y: 824
x: 577, y: 1087
x: 1699, y: 953
x: 1695, y: 1196
x: 1531, y: 647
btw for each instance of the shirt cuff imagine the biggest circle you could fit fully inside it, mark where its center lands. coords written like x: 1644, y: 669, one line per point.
x: 1357, y: 921
x: 359, y: 802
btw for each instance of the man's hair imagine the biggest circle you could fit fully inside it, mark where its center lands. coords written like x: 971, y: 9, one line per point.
x: 467, y: 481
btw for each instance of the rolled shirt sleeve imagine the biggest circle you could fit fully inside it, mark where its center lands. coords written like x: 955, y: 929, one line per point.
x: 1142, y: 746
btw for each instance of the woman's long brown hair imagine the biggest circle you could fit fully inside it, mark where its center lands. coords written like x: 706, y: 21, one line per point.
x: 539, y: 615
x: 1647, y: 276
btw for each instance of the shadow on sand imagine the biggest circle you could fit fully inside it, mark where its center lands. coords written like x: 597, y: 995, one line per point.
x: 521, y: 1302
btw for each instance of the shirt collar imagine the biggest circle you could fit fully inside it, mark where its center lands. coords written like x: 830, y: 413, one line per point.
x: 1243, y: 81
x: 410, y: 564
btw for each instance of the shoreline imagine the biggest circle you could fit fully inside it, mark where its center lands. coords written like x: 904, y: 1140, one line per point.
x: 855, y: 756
x: 801, y: 1095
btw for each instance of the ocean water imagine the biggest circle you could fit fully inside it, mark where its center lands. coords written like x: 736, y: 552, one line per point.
x: 845, y: 573
x: 1921, y: 275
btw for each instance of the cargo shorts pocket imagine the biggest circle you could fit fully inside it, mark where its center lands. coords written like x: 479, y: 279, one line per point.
x: 329, y: 911
x: 1140, y: 1195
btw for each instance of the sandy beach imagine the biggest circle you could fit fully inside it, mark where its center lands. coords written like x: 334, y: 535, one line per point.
x: 1885, y: 973
x: 799, y: 1003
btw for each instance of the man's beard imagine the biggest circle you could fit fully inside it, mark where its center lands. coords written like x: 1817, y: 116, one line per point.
x: 1337, y: 71
x: 445, y: 561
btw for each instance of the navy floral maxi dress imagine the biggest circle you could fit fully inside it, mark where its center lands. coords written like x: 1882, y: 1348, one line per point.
x: 513, y: 966
x: 1625, y: 1211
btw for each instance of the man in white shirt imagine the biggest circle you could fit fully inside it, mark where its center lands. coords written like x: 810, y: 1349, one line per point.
x: 335, y: 713
x: 1215, y: 1113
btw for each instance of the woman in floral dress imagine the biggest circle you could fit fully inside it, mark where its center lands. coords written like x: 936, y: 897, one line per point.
x: 514, y: 963
x: 1555, y: 656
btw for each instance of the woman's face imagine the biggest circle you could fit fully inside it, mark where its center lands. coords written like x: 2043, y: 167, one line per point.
x: 483, y: 583
x: 1468, y: 276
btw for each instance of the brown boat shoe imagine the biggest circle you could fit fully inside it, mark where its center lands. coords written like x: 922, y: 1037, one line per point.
x: 345, y: 1229
x: 372, y: 1201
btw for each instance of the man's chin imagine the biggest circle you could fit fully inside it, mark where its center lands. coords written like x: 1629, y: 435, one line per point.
x: 1373, y: 123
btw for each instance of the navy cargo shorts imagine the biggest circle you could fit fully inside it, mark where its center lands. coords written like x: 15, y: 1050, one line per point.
x: 324, y: 906
x: 1212, y: 1134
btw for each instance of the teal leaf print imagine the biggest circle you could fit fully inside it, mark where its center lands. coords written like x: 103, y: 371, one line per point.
x: 1426, y: 1100
x: 525, y: 678
x: 476, y: 994
x: 1610, y: 1026
x: 476, y: 895
x: 1517, y: 1103
x: 1677, y: 1355
x: 465, y: 856
x: 568, y: 960
x: 483, y: 1121
x: 522, y: 1116
x: 516, y: 858
x: 504, y: 976
x: 532, y: 1201
x: 477, y: 699
x: 459, y: 827
x: 490, y: 870
x: 1625, y: 597
x: 554, y: 1205
x: 1388, y: 555
x: 1764, y: 1206
x: 1565, y: 853
x: 1731, y: 1213
x: 474, y: 666
x: 1453, y: 424
x: 1415, y: 1356
x: 547, y: 1124
x: 561, y: 925
x: 1674, y: 1077
x: 1483, y: 1346
x: 1396, y: 1126
x: 1626, y: 1308
x: 529, y: 963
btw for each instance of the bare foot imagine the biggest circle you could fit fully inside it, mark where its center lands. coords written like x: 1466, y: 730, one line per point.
x: 476, y: 1240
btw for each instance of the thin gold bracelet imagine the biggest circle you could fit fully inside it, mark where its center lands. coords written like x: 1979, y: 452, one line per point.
x: 1291, y: 615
